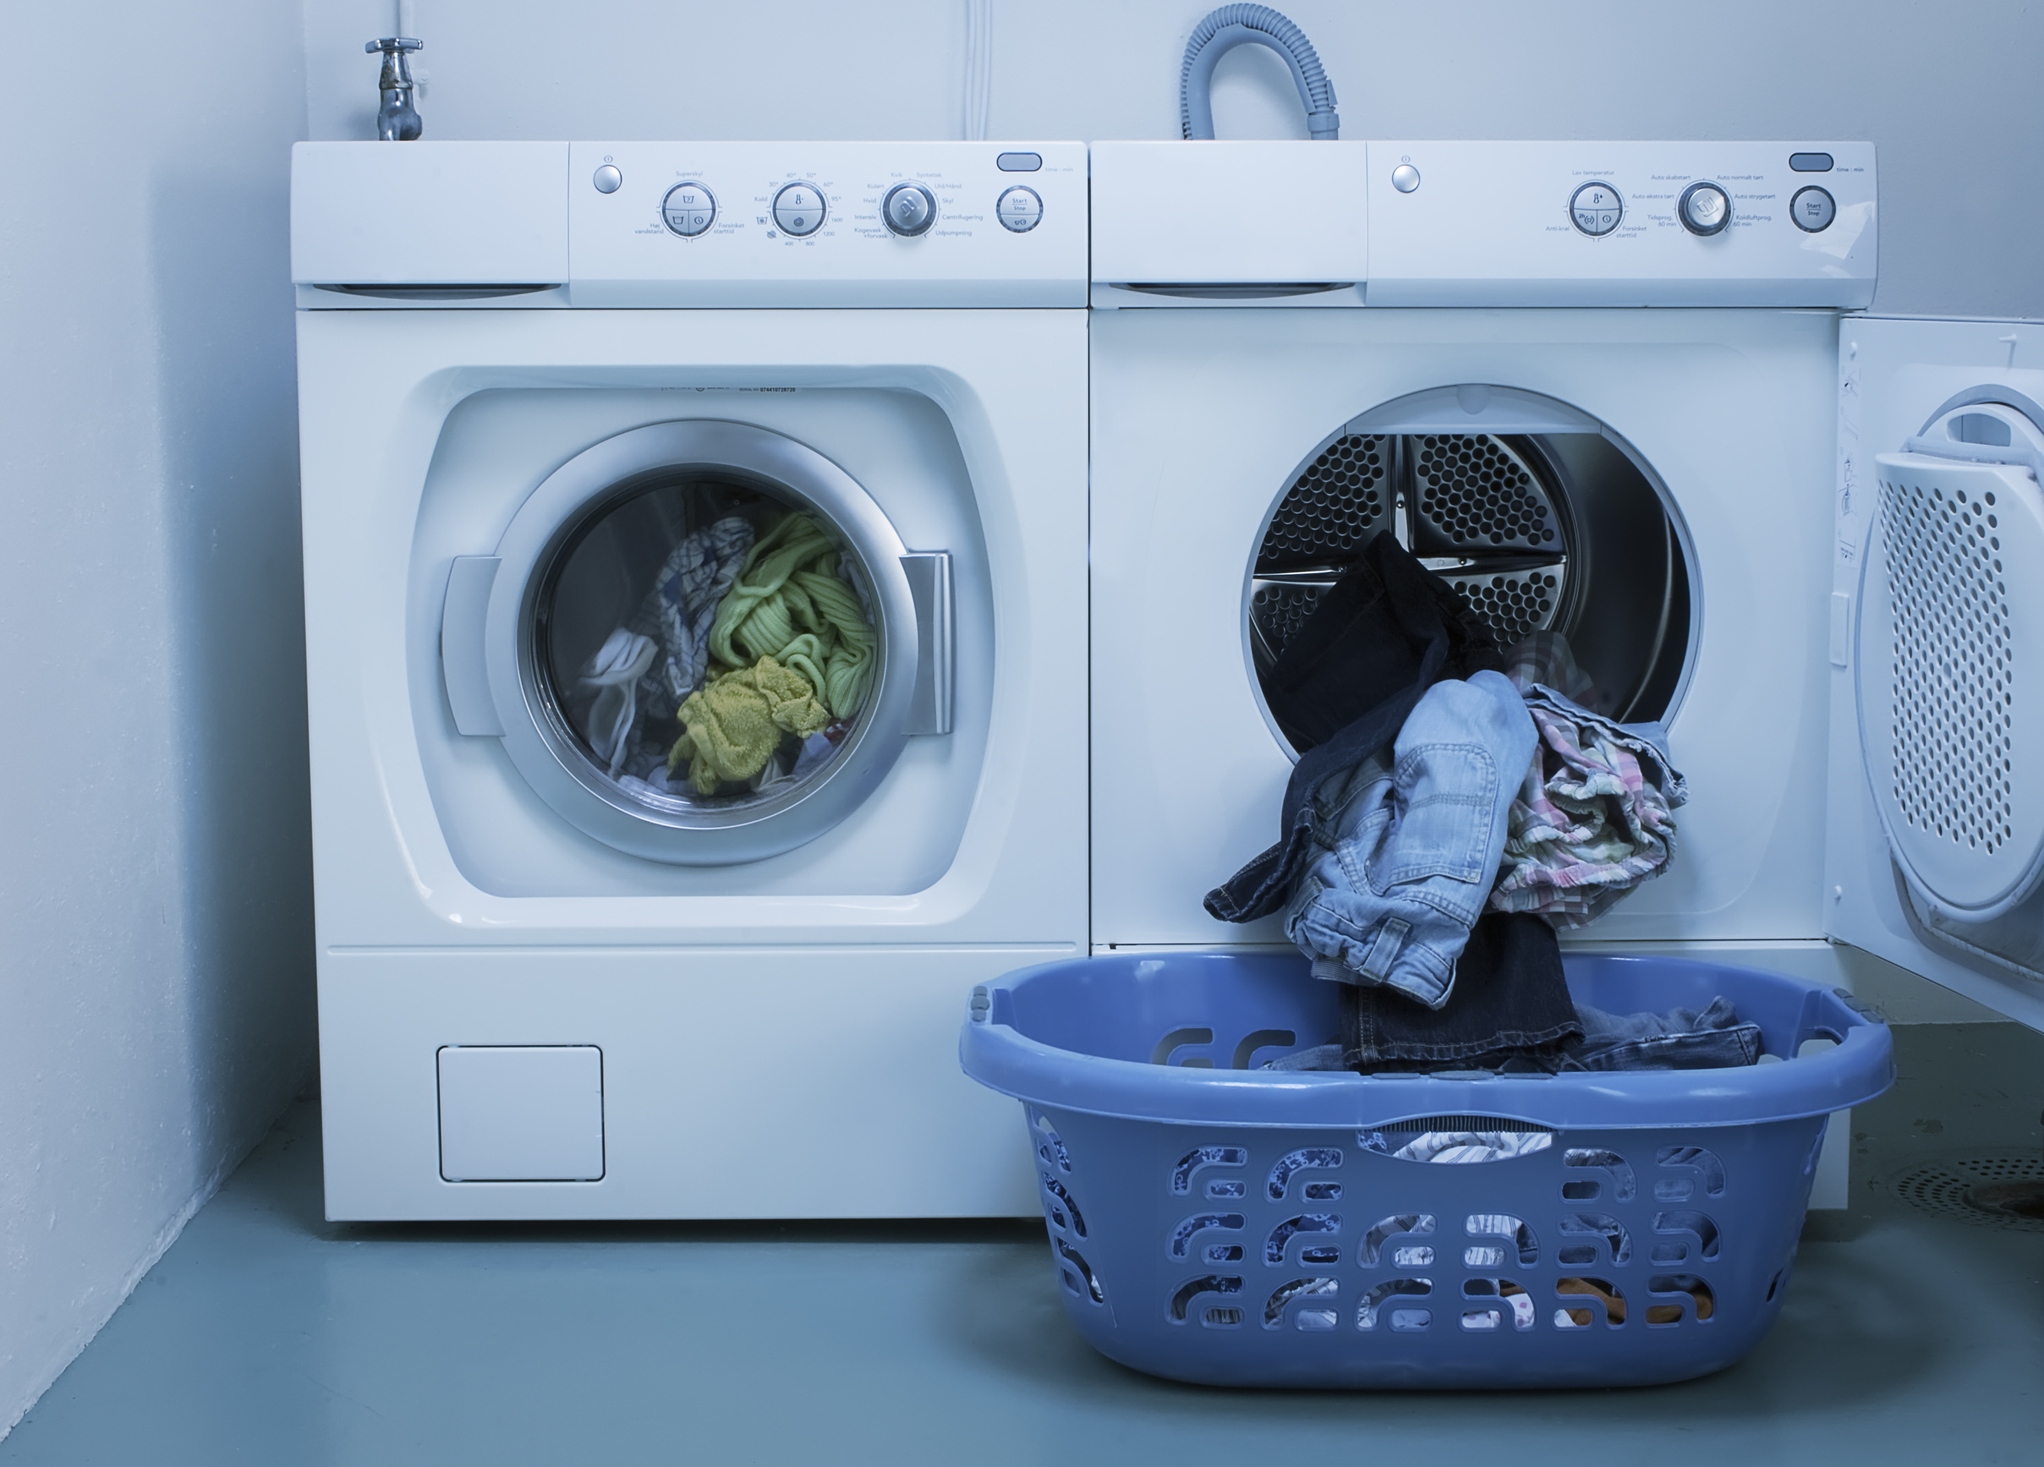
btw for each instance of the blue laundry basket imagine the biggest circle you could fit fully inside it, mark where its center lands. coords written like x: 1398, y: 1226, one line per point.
x: 1215, y: 1222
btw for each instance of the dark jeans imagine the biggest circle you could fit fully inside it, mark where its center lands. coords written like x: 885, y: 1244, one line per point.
x: 1377, y: 1037
x: 1509, y: 1000
x: 1681, y: 1039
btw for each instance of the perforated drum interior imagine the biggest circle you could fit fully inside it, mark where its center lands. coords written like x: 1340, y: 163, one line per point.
x: 1536, y: 531
x: 1471, y: 505
x: 1948, y: 682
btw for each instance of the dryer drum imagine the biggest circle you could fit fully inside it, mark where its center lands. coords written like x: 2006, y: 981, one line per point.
x: 1553, y: 531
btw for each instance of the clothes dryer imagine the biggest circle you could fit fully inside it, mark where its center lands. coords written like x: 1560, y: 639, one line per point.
x: 1601, y: 388
x: 1452, y: 343
x: 695, y: 563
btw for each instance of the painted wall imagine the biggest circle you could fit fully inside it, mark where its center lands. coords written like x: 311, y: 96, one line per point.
x: 1947, y: 93
x: 155, y: 935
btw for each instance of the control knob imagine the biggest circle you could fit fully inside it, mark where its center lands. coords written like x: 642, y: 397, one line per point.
x: 1019, y: 209
x: 908, y: 210
x: 1705, y: 209
x: 689, y: 209
x: 1596, y: 209
x: 798, y: 209
x: 1813, y: 210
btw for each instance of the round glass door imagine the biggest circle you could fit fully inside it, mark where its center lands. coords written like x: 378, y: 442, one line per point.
x: 702, y: 643
x: 706, y: 644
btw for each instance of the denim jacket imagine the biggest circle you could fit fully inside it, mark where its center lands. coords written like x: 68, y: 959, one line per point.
x: 1404, y: 850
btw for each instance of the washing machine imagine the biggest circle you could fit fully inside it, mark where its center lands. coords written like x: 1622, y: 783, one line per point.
x: 695, y: 598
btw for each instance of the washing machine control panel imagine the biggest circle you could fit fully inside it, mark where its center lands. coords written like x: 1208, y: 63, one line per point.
x: 1621, y: 224
x: 819, y: 224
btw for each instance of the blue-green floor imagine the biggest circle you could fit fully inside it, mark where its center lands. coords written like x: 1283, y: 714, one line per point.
x: 267, y: 1335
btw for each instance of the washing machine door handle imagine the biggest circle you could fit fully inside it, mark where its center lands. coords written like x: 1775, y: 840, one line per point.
x: 462, y: 666
x: 929, y: 584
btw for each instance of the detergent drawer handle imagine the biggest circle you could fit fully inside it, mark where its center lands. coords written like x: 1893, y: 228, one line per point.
x: 929, y: 583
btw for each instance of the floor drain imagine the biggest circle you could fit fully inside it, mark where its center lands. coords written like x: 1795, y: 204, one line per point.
x: 1989, y: 1189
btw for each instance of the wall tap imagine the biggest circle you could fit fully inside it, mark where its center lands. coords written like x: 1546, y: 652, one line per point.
x: 397, y: 120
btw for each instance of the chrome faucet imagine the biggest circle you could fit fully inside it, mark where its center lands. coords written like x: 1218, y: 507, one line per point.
x: 397, y: 120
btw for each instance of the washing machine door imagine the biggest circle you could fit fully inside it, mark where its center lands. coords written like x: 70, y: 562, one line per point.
x: 700, y: 642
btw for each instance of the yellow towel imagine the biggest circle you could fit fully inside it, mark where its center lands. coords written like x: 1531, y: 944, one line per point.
x: 732, y: 724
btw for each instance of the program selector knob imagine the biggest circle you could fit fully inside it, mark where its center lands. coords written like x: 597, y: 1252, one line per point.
x: 908, y: 210
x: 1705, y: 209
x: 798, y: 209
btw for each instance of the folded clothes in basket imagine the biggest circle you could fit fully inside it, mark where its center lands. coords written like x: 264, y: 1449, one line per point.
x: 1614, y: 1303
x: 1682, y: 1039
x: 1510, y: 999
x: 1461, y: 1148
x: 1711, y: 1038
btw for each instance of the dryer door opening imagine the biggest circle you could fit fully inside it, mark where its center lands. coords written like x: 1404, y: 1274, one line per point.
x: 1542, y: 522
x: 701, y: 643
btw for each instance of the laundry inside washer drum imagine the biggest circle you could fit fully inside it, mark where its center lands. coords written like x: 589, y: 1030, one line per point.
x: 1557, y: 531
x: 706, y: 644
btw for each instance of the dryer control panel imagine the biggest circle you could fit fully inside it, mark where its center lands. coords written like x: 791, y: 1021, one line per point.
x: 1358, y: 224
x: 827, y: 224
x: 1621, y: 224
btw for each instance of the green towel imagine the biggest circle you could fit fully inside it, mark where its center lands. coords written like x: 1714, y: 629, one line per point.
x: 733, y: 724
x: 789, y: 604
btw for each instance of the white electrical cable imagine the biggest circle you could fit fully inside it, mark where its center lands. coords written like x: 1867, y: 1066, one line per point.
x: 979, y: 67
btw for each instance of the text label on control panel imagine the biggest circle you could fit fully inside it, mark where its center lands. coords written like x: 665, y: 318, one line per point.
x: 689, y: 209
x: 1020, y: 209
x: 798, y: 209
x: 1596, y: 209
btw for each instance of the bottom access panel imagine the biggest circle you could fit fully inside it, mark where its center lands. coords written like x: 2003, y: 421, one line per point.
x: 648, y: 1083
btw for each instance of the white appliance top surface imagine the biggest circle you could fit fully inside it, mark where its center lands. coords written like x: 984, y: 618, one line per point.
x: 1415, y: 223
x: 691, y: 224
